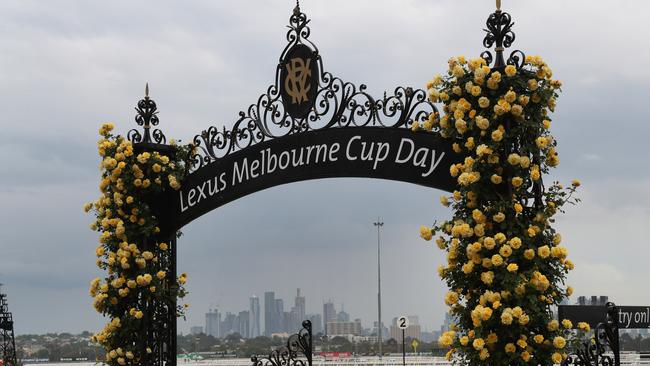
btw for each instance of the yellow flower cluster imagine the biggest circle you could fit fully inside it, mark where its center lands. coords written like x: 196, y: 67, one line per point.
x: 505, y: 264
x: 136, y: 273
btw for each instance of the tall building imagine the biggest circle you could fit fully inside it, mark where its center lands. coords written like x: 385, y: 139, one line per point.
x: 342, y: 316
x: 595, y: 300
x: 280, y: 318
x: 340, y: 328
x: 254, y: 317
x: 299, y: 307
x: 412, y: 331
x: 213, y: 323
x: 243, y: 324
x: 229, y: 323
x: 316, y: 323
x: 269, y: 313
x: 329, y: 315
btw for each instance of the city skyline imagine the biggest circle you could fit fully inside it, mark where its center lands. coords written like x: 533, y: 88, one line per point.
x: 214, y: 324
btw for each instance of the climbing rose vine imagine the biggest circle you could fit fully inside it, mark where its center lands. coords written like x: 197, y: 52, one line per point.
x: 506, y: 266
x: 135, y: 264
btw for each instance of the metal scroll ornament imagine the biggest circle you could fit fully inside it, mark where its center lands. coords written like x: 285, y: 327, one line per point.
x: 146, y: 117
x: 499, y: 32
x: 298, y: 345
x: 303, y: 98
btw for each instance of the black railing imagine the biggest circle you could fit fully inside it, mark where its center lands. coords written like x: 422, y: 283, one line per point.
x: 297, y: 352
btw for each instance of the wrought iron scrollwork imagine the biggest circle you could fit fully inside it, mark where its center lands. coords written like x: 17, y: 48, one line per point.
x: 146, y: 117
x: 298, y: 345
x: 603, y: 349
x: 338, y: 104
x: 499, y: 32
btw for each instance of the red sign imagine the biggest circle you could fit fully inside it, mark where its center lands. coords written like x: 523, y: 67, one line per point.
x: 335, y: 354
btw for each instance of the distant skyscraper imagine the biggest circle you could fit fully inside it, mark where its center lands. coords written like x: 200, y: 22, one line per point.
x: 280, y: 319
x: 244, y: 323
x: 300, y: 306
x: 269, y: 313
x: 228, y: 324
x: 212, y: 323
x: 342, y: 316
x: 254, y: 320
x: 329, y: 314
x: 316, y: 323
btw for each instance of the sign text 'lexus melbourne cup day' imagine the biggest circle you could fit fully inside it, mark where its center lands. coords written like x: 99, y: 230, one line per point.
x: 394, y: 154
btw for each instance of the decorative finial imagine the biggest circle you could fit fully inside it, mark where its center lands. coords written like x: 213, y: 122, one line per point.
x: 296, y: 10
x: 499, y: 34
x: 146, y: 117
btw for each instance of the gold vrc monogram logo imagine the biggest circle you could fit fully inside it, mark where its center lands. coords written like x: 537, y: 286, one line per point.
x: 296, y: 84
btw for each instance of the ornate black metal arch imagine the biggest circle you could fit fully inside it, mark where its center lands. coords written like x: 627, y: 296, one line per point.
x: 298, y: 345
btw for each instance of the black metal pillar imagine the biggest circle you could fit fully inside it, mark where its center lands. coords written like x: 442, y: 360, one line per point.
x: 7, y: 340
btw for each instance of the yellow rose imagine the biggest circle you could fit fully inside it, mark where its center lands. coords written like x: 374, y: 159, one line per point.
x: 484, y: 354
x: 566, y: 323
x: 559, y: 342
x: 496, y: 179
x: 161, y: 275
x: 499, y: 217
x: 512, y: 267
x: 489, y: 243
x: 525, y: 356
x: 497, y: 260
x: 553, y: 325
x: 514, y: 159
x: 584, y: 326
x: 517, y: 182
x: 543, y: 251
x: 464, y: 340
x: 426, y: 233
x: 556, y: 357
x: 451, y: 298
x: 510, y: 348
x: 505, y: 251
x: 487, y: 277
x: 539, y: 338
x: 478, y: 344
x: 515, y: 242
x: 497, y: 135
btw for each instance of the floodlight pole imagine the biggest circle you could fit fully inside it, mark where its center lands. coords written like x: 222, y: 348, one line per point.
x: 379, y: 224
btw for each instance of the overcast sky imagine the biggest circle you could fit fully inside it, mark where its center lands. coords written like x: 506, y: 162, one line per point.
x: 68, y: 66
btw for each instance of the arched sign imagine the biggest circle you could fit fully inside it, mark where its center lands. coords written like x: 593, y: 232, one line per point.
x: 370, y: 152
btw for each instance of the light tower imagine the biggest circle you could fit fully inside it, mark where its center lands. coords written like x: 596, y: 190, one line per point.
x: 380, y: 329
